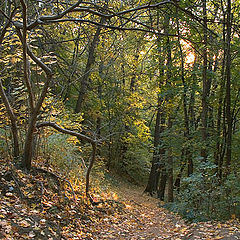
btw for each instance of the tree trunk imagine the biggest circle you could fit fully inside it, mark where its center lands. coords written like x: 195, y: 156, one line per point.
x: 217, y: 154
x: 162, y: 185
x: 85, y: 78
x: 152, y: 182
x: 164, y: 165
x: 12, y: 117
x: 177, y: 183
x: 186, y: 115
x: 228, y: 90
x: 28, y: 147
x: 157, y: 162
x: 170, y: 167
x: 205, y: 86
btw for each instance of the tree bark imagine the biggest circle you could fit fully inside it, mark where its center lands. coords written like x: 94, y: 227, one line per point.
x: 170, y: 167
x: 26, y: 63
x: 162, y: 185
x: 85, y: 78
x: 28, y: 146
x: 167, y: 170
x: 157, y: 163
x: 152, y: 180
x: 12, y: 117
x: 228, y: 90
x: 219, y: 127
x: 205, y: 86
x: 186, y: 115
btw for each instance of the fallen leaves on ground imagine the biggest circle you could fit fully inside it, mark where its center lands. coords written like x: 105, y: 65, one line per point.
x: 39, y: 206
x: 143, y: 219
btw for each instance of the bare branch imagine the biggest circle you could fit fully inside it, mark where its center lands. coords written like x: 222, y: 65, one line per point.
x: 25, y: 60
x: 198, y: 19
x: 66, y: 131
x: 148, y: 6
x: 94, y: 150
x: 73, y: 8
x: 4, y: 30
x: 54, y: 17
x: 41, y: 64
x: 3, y: 95
x: 119, y: 28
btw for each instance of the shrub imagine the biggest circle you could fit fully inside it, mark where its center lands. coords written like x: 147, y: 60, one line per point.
x: 202, y: 198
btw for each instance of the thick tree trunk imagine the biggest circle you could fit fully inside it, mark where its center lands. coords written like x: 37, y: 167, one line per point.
x: 162, y: 185
x: 152, y: 180
x: 164, y: 165
x: 28, y: 146
x: 157, y: 162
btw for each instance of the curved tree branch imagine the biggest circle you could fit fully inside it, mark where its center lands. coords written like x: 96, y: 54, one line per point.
x: 3, y: 95
x: 25, y: 59
x: 82, y: 137
x: 27, y: 157
x: 74, y: 8
x: 66, y: 131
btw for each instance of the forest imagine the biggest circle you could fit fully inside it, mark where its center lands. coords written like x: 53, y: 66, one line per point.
x: 112, y: 108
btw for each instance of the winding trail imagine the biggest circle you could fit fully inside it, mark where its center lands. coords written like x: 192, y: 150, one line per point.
x: 124, y: 213
x: 143, y: 219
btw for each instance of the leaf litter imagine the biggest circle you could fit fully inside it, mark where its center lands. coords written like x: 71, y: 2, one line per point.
x: 36, y: 205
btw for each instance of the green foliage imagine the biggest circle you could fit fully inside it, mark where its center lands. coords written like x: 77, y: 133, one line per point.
x: 136, y: 152
x: 231, y: 194
x: 4, y: 139
x: 136, y: 162
x: 203, y: 198
x: 63, y: 153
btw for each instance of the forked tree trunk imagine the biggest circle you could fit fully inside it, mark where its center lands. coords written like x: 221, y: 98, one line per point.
x: 28, y: 145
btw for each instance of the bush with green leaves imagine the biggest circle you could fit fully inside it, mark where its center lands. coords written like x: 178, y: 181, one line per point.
x: 203, y: 198
x: 136, y: 162
x: 4, y: 139
x: 62, y: 153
